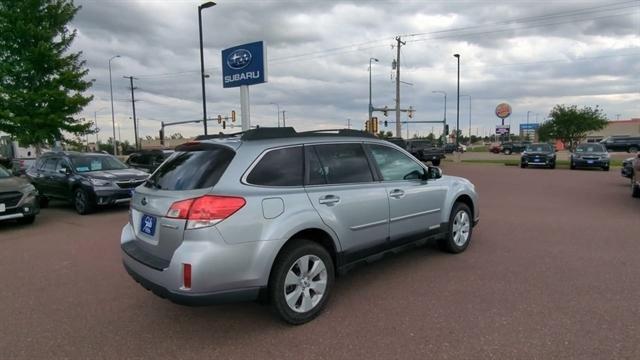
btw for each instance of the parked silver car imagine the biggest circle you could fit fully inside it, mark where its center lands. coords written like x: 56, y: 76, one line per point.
x: 275, y: 214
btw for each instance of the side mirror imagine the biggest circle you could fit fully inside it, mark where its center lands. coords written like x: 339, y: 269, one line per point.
x: 64, y: 171
x: 434, y: 173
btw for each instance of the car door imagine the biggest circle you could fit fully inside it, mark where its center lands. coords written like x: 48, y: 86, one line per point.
x: 46, y: 176
x: 340, y: 184
x: 415, y: 204
x: 59, y: 180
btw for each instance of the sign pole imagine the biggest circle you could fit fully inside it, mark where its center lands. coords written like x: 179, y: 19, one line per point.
x: 244, y: 108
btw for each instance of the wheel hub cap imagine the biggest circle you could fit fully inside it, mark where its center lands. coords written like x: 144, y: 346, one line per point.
x: 305, y: 283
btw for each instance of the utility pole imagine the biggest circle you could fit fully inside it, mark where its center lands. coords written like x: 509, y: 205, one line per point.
x: 458, y: 105
x: 284, y: 122
x: 133, y: 103
x: 398, y: 124
x: 370, y: 105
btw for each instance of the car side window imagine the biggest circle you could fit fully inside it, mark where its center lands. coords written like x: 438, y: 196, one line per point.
x: 279, y: 167
x: 342, y: 164
x: 50, y: 165
x: 62, y: 164
x: 395, y: 165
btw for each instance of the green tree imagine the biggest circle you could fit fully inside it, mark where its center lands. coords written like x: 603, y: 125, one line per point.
x: 41, y: 82
x: 571, y: 125
x: 383, y: 135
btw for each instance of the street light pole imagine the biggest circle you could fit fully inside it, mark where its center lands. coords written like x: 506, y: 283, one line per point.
x: 469, y: 96
x: 113, y: 119
x: 278, y: 107
x: 204, y: 101
x: 370, y: 105
x: 457, y: 56
x: 444, y: 121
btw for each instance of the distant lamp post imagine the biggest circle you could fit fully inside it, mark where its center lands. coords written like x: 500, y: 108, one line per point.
x: 278, y: 111
x: 113, y: 119
x: 370, y: 105
x: 206, y: 5
x: 469, y: 96
x: 457, y: 56
x: 445, y: 110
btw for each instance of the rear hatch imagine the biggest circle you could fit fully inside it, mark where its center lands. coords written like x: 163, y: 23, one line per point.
x: 192, y: 171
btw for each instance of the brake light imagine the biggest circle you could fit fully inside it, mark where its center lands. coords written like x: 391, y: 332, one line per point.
x: 206, y: 210
x: 180, y: 209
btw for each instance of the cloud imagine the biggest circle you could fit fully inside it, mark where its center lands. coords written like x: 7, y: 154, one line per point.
x: 528, y: 55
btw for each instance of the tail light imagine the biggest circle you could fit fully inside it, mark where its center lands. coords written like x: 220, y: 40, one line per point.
x: 206, y: 210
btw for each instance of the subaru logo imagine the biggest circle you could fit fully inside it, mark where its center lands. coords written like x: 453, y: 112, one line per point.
x: 239, y: 59
x: 143, y: 201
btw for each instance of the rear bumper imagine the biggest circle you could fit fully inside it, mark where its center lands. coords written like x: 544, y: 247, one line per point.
x: 539, y: 162
x: 220, y: 272
x: 626, y: 172
x: 220, y: 297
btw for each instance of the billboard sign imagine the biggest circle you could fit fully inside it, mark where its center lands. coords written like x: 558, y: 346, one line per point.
x: 503, y: 129
x: 529, y: 127
x: 244, y: 65
x: 503, y: 110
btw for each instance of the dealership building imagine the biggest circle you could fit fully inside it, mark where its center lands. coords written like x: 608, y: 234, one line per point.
x: 616, y: 128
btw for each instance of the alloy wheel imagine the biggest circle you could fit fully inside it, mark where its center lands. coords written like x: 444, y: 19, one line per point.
x: 461, y: 227
x: 305, y: 284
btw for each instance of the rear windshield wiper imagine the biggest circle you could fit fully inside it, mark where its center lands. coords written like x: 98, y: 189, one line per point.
x: 152, y: 183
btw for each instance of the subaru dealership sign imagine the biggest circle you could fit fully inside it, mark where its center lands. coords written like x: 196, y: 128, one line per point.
x: 244, y: 65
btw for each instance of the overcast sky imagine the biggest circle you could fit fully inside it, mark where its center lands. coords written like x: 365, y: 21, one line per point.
x: 531, y: 54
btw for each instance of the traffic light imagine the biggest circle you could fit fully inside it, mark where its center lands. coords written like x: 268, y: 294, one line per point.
x: 410, y: 112
x: 219, y: 119
x: 385, y: 111
x: 233, y: 115
x: 386, y: 123
x: 446, y: 129
x: 374, y: 125
x: 224, y: 125
x: 161, y: 136
x: 366, y: 126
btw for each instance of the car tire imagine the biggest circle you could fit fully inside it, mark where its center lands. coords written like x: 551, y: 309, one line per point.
x: 507, y: 152
x: 44, y: 201
x: 633, y: 149
x: 635, y: 189
x: 523, y: 165
x: 455, y: 241
x: 289, y: 277
x: 552, y: 166
x: 29, y: 219
x: 606, y: 168
x: 82, y: 202
x: 436, y: 162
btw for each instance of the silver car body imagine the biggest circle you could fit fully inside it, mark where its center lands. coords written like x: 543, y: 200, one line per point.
x: 232, y: 260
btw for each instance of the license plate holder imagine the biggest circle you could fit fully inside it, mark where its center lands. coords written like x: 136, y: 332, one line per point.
x: 589, y: 161
x: 148, y: 224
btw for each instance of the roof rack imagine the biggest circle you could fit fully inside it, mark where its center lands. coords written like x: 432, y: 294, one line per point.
x: 288, y: 132
x: 263, y: 133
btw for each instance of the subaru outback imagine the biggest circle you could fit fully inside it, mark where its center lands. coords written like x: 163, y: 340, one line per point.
x: 273, y: 214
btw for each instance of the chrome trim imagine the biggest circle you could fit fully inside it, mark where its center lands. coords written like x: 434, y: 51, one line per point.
x: 12, y: 216
x: 434, y: 227
x: 364, y: 226
x: 403, y: 217
x: 169, y: 226
x: 119, y: 201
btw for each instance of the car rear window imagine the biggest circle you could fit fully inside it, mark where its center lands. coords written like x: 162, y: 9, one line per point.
x: 590, y: 148
x: 192, y: 167
x: 279, y: 167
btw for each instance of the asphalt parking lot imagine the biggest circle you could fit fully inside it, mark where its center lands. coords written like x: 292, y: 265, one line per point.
x: 552, y: 273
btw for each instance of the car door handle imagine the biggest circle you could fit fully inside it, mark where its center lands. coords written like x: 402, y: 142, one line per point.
x: 329, y: 200
x: 396, y: 193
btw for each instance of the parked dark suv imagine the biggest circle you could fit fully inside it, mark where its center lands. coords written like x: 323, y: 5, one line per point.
x: 148, y: 160
x: 538, y: 155
x: 422, y: 150
x: 622, y: 143
x: 85, y: 179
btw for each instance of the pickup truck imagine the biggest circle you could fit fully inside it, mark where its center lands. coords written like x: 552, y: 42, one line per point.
x: 422, y: 150
x: 514, y: 147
